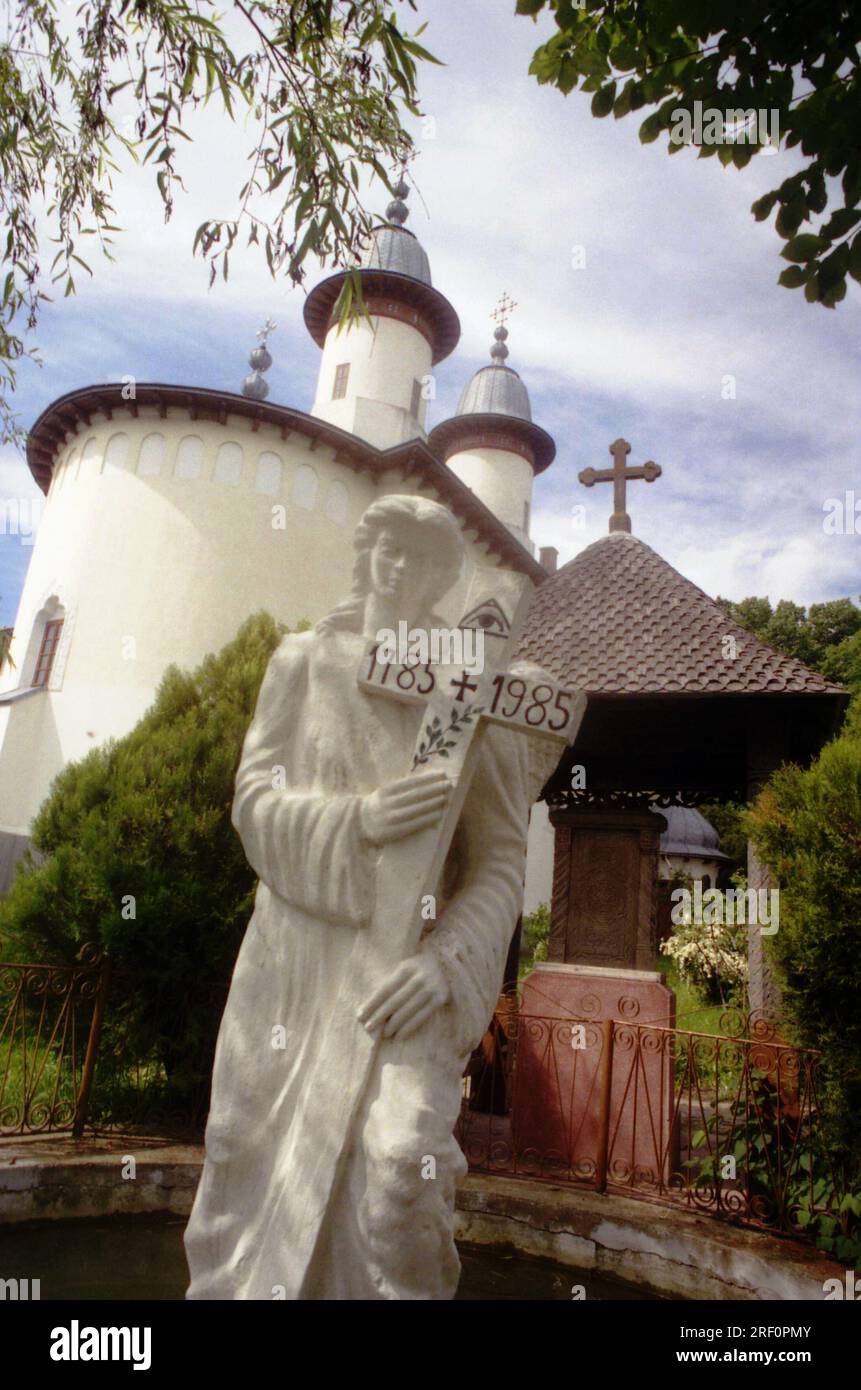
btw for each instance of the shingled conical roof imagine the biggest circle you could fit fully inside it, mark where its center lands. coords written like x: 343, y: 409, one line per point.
x: 619, y: 620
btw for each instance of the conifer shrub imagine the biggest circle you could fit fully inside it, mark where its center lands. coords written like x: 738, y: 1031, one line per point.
x: 806, y: 825
x: 134, y: 851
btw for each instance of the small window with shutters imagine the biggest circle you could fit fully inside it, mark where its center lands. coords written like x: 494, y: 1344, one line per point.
x: 47, y: 651
x: 339, y: 390
x: 416, y: 400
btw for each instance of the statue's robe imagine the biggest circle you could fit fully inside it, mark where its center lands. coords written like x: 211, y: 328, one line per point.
x: 389, y: 1228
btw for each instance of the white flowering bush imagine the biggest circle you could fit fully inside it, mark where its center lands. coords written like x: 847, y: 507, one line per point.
x: 709, y: 956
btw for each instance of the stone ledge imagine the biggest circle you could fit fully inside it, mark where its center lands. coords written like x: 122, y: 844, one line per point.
x: 47, y: 1179
x: 676, y: 1253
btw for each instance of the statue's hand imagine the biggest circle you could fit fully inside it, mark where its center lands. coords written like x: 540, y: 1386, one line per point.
x: 407, y: 997
x: 403, y: 807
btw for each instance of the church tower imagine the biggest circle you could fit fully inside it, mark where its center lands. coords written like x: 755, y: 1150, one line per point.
x: 491, y: 442
x: 375, y: 376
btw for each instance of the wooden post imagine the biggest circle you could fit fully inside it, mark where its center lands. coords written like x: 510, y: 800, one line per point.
x: 83, y: 1097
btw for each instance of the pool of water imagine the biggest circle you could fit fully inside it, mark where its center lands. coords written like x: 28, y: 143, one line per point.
x: 143, y: 1258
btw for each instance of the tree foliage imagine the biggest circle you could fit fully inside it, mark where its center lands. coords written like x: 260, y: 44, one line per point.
x: 142, y: 825
x: 827, y: 636
x: 806, y: 825
x: 323, y: 84
x: 800, y: 60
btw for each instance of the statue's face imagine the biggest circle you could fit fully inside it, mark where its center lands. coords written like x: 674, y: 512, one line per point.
x: 405, y: 570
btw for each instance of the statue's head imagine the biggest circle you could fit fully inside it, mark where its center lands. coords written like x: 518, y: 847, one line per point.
x: 408, y: 550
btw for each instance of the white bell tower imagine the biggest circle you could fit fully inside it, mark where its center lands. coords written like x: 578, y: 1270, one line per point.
x: 491, y: 442
x: 375, y: 376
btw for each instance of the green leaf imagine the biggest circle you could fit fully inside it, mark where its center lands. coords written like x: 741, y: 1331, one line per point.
x: 763, y: 206
x: 793, y: 277
x: 602, y: 101
x: 854, y: 265
x: 651, y: 128
x: 804, y: 248
x: 852, y: 181
x: 791, y: 216
x: 842, y: 221
x: 817, y: 193
x: 833, y: 268
x: 832, y: 296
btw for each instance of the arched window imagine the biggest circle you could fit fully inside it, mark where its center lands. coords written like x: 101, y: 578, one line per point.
x: 228, y: 463
x: 46, y: 652
x: 189, y: 457
x: 117, y: 453
x: 342, y: 375
x: 269, y: 469
x: 337, y: 503
x: 151, y: 456
x: 305, y: 486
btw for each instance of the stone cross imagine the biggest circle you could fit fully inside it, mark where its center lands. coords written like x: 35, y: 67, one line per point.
x: 619, y: 475
x: 458, y: 702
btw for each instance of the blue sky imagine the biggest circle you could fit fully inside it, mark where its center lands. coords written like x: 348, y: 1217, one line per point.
x: 678, y: 292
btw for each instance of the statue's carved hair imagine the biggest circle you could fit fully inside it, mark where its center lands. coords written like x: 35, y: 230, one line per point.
x: 396, y: 510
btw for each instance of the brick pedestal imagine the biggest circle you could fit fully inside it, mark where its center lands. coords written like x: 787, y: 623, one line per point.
x: 593, y: 1087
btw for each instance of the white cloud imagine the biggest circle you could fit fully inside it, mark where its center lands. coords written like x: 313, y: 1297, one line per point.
x: 678, y: 291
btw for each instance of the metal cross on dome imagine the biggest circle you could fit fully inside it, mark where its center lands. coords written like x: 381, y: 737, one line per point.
x: 619, y: 475
x: 504, y: 309
x: 264, y: 332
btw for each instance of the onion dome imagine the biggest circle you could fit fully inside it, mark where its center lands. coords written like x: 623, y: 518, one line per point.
x: 255, y: 386
x: 494, y: 412
x: 396, y: 283
x: 689, y: 834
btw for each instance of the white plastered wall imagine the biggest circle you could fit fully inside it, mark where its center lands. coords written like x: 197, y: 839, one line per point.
x: 385, y: 357
x: 161, y: 567
x: 502, y: 480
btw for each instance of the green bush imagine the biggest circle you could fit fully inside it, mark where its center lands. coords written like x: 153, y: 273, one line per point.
x: 534, y: 939
x: 807, y: 828
x: 136, y: 852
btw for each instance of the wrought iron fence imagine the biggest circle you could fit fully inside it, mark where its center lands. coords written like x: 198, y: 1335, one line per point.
x: 155, y: 1072
x: 722, y: 1124
x: 76, y: 1056
x: 50, y: 1017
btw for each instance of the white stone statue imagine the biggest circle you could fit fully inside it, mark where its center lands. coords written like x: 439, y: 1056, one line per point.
x: 323, y: 788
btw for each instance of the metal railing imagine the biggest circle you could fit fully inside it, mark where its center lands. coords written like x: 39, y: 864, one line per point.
x: 50, y: 1018
x: 722, y: 1124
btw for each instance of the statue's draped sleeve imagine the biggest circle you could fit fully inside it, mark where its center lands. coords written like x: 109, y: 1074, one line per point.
x: 305, y: 846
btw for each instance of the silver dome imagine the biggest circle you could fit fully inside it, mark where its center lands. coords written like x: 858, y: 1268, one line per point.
x: 495, y: 390
x: 688, y: 833
x: 397, y: 250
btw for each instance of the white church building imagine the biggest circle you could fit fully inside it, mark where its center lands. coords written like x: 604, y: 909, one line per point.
x: 173, y: 512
